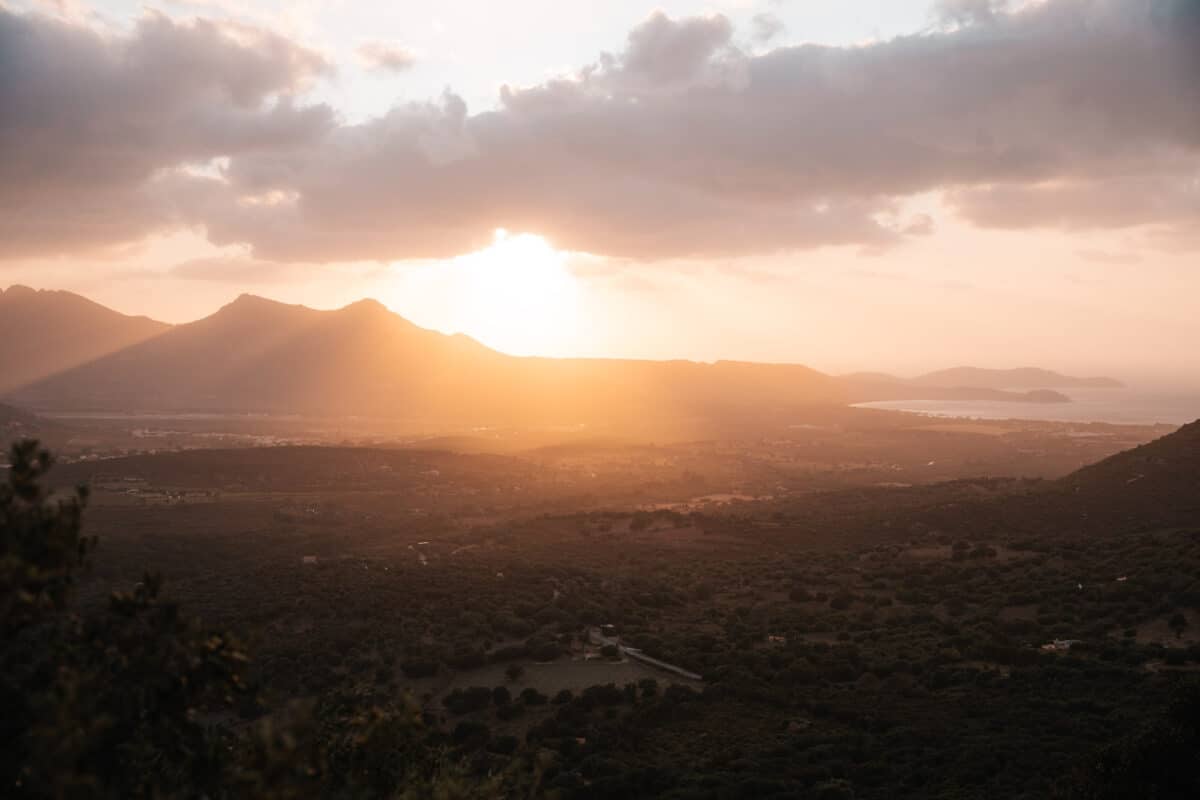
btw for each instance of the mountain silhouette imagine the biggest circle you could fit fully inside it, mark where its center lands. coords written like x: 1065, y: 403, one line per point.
x: 1019, y: 378
x: 45, y: 332
x: 260, y: 356
x: 1024, y: 385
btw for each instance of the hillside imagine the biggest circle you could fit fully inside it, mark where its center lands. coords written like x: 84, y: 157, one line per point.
x: 46, y: 332
x: 1154, y: 486
x: 1161, y: 478
x: 256, y: 355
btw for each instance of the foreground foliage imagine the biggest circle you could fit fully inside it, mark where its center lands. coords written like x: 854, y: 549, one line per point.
x: 135, y: 700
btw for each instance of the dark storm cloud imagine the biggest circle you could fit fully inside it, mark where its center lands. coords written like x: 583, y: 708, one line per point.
x: 680, y: 145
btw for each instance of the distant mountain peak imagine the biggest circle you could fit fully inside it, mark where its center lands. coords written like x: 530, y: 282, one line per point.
x: 258, y: 355
x: 253, y: 303
x: 254, y: 307
x: 18, y: 290
x: 43, y: 332
x: 246, y: 300
x: 1017, y: 378
x: 368, y: 305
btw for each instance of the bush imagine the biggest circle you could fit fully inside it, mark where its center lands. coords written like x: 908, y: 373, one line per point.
x: 419, y: 669
x: 504, y: 745
x: 510, y: 711
x: 841, y: 601
x: 470, y: 734
x: 462, y: 701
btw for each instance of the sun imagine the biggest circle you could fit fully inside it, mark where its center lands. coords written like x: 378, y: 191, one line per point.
x: 518, y: 295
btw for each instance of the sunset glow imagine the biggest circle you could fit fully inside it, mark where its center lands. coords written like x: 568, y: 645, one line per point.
x: 852, y: 186
x: 516, y: 295
x: 647, y: 399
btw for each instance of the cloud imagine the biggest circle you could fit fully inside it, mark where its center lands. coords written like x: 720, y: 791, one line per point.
x: 766, y: 27
x: 663, y: 50
x: 921, y: 225
x: 1118, y: 201
x: 386, y: 57
x: 969, y: 12
x: 1069, y: 114
x: 682, y: 146
x: 98, y: 133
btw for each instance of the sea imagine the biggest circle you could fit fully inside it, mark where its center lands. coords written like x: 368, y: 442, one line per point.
x: 1116, y: 406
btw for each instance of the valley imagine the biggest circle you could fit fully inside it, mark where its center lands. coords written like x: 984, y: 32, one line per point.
x: 894, y: 626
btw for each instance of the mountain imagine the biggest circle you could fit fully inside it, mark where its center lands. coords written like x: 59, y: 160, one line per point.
x: 46, y: 332
x: 256, y: 355
x: 1022, y: 385
x: 1020, y: 378
x: 260, y: 356
x: 863, y: 387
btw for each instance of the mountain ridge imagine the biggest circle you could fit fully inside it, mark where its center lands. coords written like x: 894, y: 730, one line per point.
x: 44, y: 332
x: 255, y: 354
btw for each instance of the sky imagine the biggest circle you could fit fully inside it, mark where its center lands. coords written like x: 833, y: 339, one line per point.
x: 895, y: 185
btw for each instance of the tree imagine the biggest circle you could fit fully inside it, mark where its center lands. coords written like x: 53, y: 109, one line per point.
x: 105, y: 703
x: 118, y: 703
x: 41, y: 545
